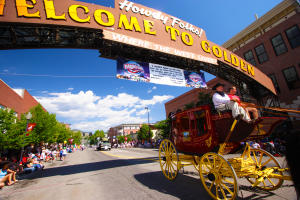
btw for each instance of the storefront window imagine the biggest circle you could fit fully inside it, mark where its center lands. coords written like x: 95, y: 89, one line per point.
x: 261, y: 53
x: 293, y: 35
x: 250, y: 57
x: 278, y: 45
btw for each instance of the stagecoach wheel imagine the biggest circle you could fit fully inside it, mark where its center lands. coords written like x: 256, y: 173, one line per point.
x: 263, y: 160
x: 196, y: 162
x: 168, y: 159
x: 218, y: 177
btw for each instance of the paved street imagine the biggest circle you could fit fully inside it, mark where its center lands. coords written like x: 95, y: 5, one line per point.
x: 119, y: 174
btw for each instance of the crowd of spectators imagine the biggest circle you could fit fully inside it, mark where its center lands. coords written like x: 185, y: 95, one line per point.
x: 33, y: 159
x: 277, y: 147
x: 140, y: 144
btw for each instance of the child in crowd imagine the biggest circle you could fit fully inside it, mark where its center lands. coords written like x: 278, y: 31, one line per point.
x: 7, y: 176
x: 64, y: 153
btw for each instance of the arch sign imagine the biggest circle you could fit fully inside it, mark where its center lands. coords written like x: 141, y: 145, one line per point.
x: 131, y: 24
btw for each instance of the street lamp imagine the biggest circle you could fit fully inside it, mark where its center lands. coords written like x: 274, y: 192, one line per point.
x: 28, y: 117
x: 148, y: 124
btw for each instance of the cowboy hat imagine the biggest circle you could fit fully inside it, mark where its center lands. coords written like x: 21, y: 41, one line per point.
x: 217, y: 85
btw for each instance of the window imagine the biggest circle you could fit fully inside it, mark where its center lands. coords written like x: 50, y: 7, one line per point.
x: 201, y: 125
x: 184, y: 123
x: 278, y: 45
x: 261, y: 53
x: 274, y: 80
x: 250, y: 57
x: 293, y: 35
x: 291, y: 77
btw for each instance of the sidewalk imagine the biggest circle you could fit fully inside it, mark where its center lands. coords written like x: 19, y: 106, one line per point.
x: 27, y: 179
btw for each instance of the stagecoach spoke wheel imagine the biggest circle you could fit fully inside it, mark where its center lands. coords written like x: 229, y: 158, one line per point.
x: 218, y: 177
x: 168, y: 159
x: 264, y: 163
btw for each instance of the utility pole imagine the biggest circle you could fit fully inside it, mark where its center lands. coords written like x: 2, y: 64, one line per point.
x: 28, y: 117
x: 148, y: 125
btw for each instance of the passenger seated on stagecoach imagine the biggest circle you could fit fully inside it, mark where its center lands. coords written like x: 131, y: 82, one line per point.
x: 232, y: 95
x: 222, y: 102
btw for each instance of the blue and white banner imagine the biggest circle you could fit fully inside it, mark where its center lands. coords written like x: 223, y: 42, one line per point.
x: 159, y: 74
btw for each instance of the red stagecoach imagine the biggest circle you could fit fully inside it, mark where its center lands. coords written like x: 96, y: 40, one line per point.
x: 201, y: 136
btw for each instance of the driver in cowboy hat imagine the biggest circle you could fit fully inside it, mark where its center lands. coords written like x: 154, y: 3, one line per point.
x: 222, y: 102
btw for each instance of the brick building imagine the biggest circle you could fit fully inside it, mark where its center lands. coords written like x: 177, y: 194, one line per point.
x: 18, y: 100
x: 123, y: 130
x: 179, y: 102
x: 129, y: 129
x: 68, y: 126
x: 272, y: 44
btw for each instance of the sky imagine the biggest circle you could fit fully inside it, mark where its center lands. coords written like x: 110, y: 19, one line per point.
x: 89, y: 104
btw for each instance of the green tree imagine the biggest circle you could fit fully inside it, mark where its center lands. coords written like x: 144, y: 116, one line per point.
x: 63, y: 133
x: 143, y: 133
x: 11, y: 130
x: 189, y: 106
x: 46, y: 125
x: 47, y: 129
x: 129, y: 138
x: 93, y: 139
x: 164, y: 128
x: 121, y: 139
x: 76, y: 136
x: 204, y: 99
x: 99, y: 133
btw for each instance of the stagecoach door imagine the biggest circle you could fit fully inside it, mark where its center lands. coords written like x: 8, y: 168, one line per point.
x: 198, y: 123
x: 183, y: 136
x: 201, y: 129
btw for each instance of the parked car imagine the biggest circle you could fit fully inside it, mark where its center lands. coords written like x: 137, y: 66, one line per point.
x: 105, y: 145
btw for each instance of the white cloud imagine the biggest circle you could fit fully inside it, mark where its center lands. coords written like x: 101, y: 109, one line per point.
x: 151, y: 90
x: 89, y: 112
x: 70, y: 89
x: 142, y: 112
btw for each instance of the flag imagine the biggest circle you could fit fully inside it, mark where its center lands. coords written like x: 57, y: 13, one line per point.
x: 29, y: 128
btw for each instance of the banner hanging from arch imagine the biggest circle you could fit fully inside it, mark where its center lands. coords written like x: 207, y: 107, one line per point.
x: 159, y: 74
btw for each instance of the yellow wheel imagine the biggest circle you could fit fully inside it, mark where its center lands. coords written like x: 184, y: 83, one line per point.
x: 264, y: 160
x: 168, y: 159
x: 218, y: 177
x: 196, y: 162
